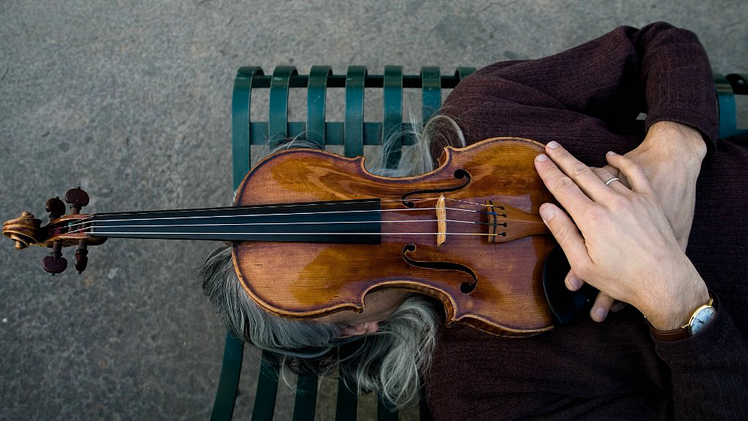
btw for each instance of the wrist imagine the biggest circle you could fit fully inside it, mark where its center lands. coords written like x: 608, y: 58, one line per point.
x: 673, y: 308
x: 676, y: 140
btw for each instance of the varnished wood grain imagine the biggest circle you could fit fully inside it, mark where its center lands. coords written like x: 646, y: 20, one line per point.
x: 303, y: 280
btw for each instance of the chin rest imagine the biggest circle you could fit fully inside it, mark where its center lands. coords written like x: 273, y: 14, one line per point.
x: 565, y: 304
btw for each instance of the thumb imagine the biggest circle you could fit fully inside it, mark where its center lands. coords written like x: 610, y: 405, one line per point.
x: 611, y: 169
x: 566, y: 233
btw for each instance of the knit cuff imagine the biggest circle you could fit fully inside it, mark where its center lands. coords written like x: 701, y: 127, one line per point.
x: 692, y: 104
x: 718, y: 338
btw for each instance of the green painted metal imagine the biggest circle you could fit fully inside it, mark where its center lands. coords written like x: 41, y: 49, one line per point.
x: 726, y: 106
x: 739, y: 82
x: 345, y: 407
x: 228, y: 383
x: 306, y: 397
x: 463, y: 72
x: 393, y: 114
x: 372, y: 81
x: 267, y: 389
x: 432, y: 91
x: 383, y: 410
x: 354, y: 133
x: 334, y: 132
x: 240, y: 122
x: 347, y: 402
x: 727, y: 87
x: 315, y: 104
x: 354, y: 111
x: 278, y: 109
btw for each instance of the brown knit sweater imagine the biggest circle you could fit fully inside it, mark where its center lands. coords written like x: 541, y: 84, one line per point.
x: 588, y: 99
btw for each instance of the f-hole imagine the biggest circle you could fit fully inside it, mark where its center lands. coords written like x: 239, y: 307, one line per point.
x: 465, y: 287
x: 459, y: 174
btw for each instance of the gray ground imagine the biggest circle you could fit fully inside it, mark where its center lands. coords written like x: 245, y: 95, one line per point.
x: 131, y: 100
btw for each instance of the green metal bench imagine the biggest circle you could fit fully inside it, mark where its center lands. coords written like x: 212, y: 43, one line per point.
x: 353, y: 134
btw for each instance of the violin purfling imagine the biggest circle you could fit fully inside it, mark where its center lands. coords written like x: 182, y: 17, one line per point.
x: 314, y: 232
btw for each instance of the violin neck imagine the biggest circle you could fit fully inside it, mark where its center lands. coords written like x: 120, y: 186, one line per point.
x: 351, y: 221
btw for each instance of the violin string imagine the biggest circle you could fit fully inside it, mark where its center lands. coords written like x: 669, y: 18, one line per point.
x: 88, y: 219
x: 295, y: 233
x: 410, y: 221
x: 435, y: 199
x: 291, y: 223
x: 283, y: 214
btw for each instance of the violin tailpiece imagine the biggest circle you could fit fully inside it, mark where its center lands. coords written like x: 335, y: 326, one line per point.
x: 507, y: 223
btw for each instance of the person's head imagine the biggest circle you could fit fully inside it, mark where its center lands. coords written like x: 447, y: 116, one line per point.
x: 397, y: 335
x: 394, y: 336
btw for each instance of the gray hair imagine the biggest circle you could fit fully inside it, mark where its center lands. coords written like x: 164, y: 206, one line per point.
x: 390, y: 361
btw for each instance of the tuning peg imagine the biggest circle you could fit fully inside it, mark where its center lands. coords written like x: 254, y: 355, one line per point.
x: 55, y: 263
x: 81, y: 256
x: 77, y: 199
x: 55, y: 207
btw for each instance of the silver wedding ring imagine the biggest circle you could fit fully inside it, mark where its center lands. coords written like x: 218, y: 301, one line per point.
x: 607, y: 183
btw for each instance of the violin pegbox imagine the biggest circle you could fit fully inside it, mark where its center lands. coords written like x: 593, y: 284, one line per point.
x: 61, y: 231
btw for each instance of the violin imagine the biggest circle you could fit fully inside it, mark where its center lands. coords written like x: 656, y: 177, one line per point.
x: 314, y: 232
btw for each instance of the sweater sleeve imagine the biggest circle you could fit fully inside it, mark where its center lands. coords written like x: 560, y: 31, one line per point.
x: 709, y: 372
x: 659, y: 69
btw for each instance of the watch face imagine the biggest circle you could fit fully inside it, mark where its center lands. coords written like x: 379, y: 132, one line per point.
x: 701, y: 320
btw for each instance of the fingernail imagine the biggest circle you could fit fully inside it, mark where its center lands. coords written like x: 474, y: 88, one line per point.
x: 600, y: 313
x: 542, y: 157
x: 575, y: 282
x: 547, y: 212
x: 611, y: 153
x: 553, y: 144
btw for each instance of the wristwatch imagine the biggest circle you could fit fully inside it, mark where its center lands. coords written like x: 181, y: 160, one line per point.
x: 699, y: 320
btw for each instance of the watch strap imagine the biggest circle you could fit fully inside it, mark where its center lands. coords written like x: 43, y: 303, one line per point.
x: 669, y: 335
x: 682, y: 332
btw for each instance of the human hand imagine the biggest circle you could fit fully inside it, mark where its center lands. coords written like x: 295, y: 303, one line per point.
x: 622, y: 242
x: 671, y: 156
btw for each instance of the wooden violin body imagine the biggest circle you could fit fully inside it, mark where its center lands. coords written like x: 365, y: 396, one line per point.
x: 314, y: 232
x: 485, y: 269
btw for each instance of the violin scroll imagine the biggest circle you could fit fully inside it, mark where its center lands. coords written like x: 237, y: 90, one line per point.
x: 23, y: 230
x: 61, y: 231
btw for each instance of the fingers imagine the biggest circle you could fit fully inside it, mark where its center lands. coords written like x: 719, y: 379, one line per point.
x: 566, y: 233
x: 615, y: 173
x: 572, y: 281
x: 562, y: 187
x: 618, y: 306
x: 603, y: 303
x: 633, y: 172
x: 617, y: 186
x: 582, y: 175
x: 602, y: 306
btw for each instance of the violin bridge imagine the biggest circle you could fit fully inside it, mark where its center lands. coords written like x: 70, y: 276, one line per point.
x: 441, y: 221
